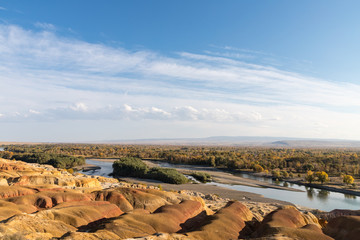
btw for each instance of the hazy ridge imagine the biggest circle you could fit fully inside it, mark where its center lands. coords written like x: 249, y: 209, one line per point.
x: 244, y: 141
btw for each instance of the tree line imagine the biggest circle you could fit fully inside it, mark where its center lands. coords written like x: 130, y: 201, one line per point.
x: 282, y: 161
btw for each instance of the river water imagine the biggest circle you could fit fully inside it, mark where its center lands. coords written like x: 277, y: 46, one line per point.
x: 311, y: 197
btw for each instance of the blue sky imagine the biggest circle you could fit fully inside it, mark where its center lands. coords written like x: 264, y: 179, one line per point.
x: 89, y: 70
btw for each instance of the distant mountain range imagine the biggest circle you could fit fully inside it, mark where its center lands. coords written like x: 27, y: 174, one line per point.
x: 245, y: 141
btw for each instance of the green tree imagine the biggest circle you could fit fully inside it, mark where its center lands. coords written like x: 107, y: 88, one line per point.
x: 308, y: 167
x: 212, y: 161
x: 275, y: 173
x: 128, y: 166
x: 285, y: 174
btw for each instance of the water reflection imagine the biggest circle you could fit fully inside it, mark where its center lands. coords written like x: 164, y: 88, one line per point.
x: 348, y: 196
x: 310, y: 192
x: 323, y: 194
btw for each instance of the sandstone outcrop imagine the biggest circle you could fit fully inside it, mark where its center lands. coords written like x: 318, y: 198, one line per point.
x: 143, y: 200
x: 225, y: 224
x: 113, y: 197
x: 289, y: 222
x: 80, y: 215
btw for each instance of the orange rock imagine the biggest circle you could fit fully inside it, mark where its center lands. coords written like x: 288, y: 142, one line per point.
x: 81, y: 215
x: 225, y: 224
x: 49, y: 199
x: 141, y: 223
x: 113, y: 197
x: 143, y: 200
x: 291, y: 223
x: 8, y: 209
x: 14, y: 191
x: 28, y: 225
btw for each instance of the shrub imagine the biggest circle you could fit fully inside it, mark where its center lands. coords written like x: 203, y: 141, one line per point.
x: 135, y: 167
x: 201, y: 176
x: 167, y: 175
x: 130, y: 167
x: 56, y: 160
x: 308, y: 167
x: 275, y: 173
x: 284, y: 174
x: 64, y: 161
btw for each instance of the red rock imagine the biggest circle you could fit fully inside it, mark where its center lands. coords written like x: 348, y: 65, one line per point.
x: 15, y: 191
x: 113, y: 197
x: 49, y: 199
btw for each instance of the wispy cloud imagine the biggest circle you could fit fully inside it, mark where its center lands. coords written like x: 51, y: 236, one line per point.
x: 45, y: 26
x: 2, y: 8
x: 46, y: 77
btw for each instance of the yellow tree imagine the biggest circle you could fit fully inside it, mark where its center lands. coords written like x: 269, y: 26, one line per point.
x: 310, y: 176
x: 322, y: 176
x: 348, y: 179
x: 258, y: 168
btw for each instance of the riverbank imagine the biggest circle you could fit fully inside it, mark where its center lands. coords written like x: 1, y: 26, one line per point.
x: 226, y: 176
x: 86, y: 167
x: 334, y: 185
x: 207, y: 188
x: 218, y: 176
x: 332, y: 188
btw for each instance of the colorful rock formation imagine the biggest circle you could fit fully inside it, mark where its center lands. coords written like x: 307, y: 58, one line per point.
x: 41, y: 202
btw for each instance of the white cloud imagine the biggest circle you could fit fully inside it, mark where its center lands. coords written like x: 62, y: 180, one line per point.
x: 81, y: 107
x: 45, y: 26
x: 45, y: 77
x: 33, y: 111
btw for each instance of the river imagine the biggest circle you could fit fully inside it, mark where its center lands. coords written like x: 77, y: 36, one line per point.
x: 310, y: 197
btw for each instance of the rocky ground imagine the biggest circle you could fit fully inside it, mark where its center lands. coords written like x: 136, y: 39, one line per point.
x: 40, y: 202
